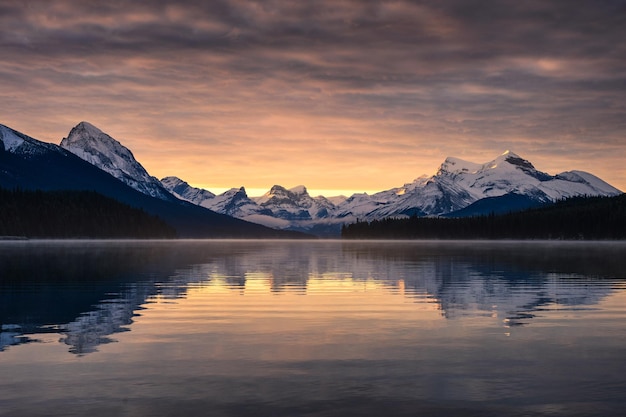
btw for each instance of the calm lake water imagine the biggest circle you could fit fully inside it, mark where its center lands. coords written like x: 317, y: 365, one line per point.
x: 312, y: 328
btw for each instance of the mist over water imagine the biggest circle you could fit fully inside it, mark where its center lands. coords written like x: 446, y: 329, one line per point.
x: 316, y: 328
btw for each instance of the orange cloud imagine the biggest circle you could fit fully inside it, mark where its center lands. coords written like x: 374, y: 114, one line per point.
x: 345, y: 95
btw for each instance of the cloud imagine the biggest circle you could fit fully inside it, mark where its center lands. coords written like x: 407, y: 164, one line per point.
x: 274, y: 89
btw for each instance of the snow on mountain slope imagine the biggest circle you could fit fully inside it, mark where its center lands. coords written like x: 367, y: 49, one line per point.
x: 456, y: 185
x: 361, y: 205
x: 96, y: 147
x: 336, y: 200
x: 186, y: 192
x: 10, y: 140
x: 29, y: 164
x: 579, y: 180
x: 294, y: 204
x: 454, y: 165
x: 17, y: 143
x: 459, y: 183
x: 279, y: 208
x: 234, y: 202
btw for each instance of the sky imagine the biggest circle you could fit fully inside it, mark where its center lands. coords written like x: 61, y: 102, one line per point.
x: 340, y: 96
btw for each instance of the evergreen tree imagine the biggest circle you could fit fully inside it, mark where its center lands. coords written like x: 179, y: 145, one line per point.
x: 75, y: 214
x: 574, y: 218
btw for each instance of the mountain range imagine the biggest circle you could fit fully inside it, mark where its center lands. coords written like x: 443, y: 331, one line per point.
x: 458, y: 189
x: 90, y: 159
x: 29, y: 164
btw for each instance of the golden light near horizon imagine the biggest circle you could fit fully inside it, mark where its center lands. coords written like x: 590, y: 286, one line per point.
x: 339, y: 96
x: 258, y: 192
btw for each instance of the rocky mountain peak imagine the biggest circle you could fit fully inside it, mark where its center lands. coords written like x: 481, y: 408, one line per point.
x: 98, y: 148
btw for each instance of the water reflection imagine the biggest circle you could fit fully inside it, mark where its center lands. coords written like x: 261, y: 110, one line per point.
x: 89, y: 291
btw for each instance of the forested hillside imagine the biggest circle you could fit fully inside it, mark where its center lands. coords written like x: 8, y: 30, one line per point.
x: 75, y: 214
x: 575, y: 218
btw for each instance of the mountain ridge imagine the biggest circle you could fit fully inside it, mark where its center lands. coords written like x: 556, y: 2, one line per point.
x: 458, y: 187
x: 507, y: 182
x: 98, y: 148
x: 29, y: 164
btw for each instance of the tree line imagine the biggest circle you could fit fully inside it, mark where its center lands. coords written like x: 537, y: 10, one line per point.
x: 75, y: 214
x: 577, y: 218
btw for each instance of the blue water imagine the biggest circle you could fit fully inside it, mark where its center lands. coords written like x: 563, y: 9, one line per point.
x: 312, y: 328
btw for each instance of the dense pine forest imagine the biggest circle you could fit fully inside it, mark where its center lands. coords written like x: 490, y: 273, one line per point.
x: 578, y: 218
x: 74, y: 214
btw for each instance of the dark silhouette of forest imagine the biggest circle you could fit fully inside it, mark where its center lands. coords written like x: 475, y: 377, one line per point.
x: 576, y: 218
x: 75, y: 214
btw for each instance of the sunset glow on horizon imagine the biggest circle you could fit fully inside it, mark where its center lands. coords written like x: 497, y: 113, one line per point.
x: 340, y: 96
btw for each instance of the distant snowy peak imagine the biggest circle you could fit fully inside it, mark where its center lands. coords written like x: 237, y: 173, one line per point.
x: 281, y: 195
x: 295, y: 204
x: 234, y: 202
x: 18, y: 143
x: 184, y: 191
x: 512, y: 173
x: 96, y: 147
x: 454, y: 165
x: 514, y: 160
x: 508, y: 181
x: 10, y: 139
x: 577, y: 183
x: 506, y: 161
x: 459, y: 183
x: 299, y: 190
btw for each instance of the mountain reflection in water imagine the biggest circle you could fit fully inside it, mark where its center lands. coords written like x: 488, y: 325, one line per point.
x: 88, y: 291
x: 312, y: 328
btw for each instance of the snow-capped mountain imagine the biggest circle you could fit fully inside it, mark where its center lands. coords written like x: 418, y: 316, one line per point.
x: 30, y: 164
x: 459, y: 183
x: 295, y: 204
x: 19, y: 144
x: 235, y: 202
x: 96, y: 147
x: 458, y: 188
x: 279, y: 207
x: 508, y: 181
x: 184, y: 191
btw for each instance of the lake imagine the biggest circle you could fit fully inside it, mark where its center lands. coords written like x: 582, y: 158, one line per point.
x: 312, y: 328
